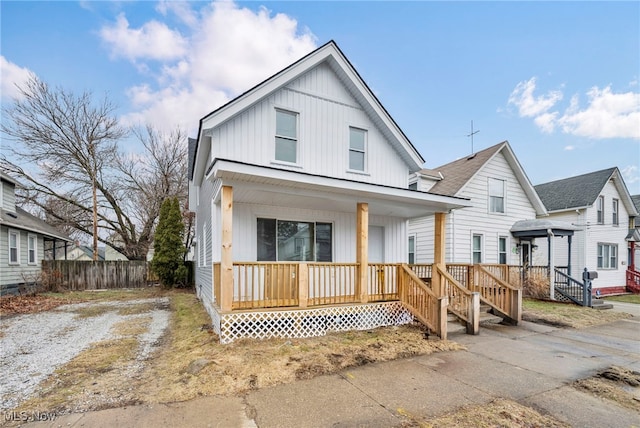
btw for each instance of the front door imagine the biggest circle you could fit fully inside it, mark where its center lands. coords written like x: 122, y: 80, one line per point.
x: 376, y: 244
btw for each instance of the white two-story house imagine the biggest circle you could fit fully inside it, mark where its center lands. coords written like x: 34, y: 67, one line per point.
x: 300, y: 189
x: 600, y: 206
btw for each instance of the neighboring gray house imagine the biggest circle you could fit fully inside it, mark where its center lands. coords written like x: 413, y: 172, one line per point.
x: 500, y: 193
x: 22, y: 240
x: 601, y: 206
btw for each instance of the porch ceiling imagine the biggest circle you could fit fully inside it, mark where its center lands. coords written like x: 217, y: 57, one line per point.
x: 273, y: 186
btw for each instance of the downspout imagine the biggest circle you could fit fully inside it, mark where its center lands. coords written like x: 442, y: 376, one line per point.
x: 552, y: 274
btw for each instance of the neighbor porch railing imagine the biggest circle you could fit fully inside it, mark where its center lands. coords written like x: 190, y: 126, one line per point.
x: 633, y: 281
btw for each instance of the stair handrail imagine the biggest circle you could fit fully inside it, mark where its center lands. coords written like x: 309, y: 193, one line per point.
x: 633, y: 281
x: 422, y: 302
x: 571, y: 283
x: 463, y: 303
x: 500, y: 295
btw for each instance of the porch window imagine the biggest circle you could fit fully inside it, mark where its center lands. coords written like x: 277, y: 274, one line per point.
x: 14, y: 245
x: 477, y: 249
x: 286, y: 136
x: 32, y: 243
x: 357, y: 149
x: 502, y: 250
x: 600, y: 209
x: 280, y: 240
x: 496, y: 195
x: 616, y: 218
x: 412, y: 250
x: 607, y: 256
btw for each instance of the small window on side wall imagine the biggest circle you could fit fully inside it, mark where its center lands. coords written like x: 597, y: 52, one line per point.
x: 496, y: 195
x: 357, y: 149
x: 14, y: 246
x: 600, y: 209
x: 477, y: 249
x: 286, y: 136
x: 412, y: 250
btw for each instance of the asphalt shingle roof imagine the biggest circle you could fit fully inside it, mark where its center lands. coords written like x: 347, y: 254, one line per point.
x: 26, y: 221
x: 457, y: 173
x: 574, y: 192
x: 636, y: 202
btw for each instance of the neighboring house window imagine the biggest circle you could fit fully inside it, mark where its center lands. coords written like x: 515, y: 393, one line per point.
x: 32, y: 242
x: 412, y: 250
x: 477, y: 249
x: 286, y: 136
x: 616, y: 217
x: 600, y: 209
x: 14, y: 247
x: 496, y: 195
x: 357, y: 149
x: 413, y: 186
x: 607, y: 256
x: 280, y: 240
x: 502, y: 250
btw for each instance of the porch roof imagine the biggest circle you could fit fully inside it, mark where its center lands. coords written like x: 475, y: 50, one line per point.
x: 275, y: 186
x: 541, y: 227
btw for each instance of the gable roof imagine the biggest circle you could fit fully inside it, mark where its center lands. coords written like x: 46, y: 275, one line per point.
x: 333, y: 56
x: 21, y: 219
x: 458, y: 173
x: 636, y: 203
x: 582, y: 191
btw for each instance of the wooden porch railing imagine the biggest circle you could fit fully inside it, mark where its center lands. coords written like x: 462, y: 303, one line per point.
x: 332, y: 283
x: 422, y: 302
x: 497, y: 293
x: 383, y: 282
x: 633, y: 281
x: 463, y: 303
x: 265, y: 285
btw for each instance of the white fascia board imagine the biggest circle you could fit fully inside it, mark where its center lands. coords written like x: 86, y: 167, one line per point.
x: 624, y: 194
x: 222, y: 169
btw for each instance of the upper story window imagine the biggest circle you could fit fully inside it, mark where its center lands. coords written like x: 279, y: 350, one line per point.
x: 14, y: 247
x: 357, y: 149
x: 600, y: 209
x: 614, y: 210
x: 496, y: 195
x: 286, y: 136
x: 32, y: 250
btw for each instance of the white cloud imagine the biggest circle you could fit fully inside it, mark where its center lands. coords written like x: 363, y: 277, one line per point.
x: 630, y: 174
x: 154, y: 40
x: 224, y: 51
x: 569, y: 148
x: 606, y: 115
x: 10, y: 76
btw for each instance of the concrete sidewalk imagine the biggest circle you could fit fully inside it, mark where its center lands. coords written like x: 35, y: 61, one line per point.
x: 531, y: 364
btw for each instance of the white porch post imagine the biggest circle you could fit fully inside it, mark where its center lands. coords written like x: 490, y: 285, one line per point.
x: 362, y: 250
x: 552, y: 268
x: 226, y: 256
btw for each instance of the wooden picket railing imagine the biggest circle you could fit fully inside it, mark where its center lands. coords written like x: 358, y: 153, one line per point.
x: 498, y: 294
x: 382, y: 282
x: 422, y: 302
x: 332, y: 283
x: 265, y: 285
x: 463, y: 303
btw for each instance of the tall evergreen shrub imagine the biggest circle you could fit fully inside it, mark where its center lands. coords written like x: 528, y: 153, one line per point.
x: 168, y: 257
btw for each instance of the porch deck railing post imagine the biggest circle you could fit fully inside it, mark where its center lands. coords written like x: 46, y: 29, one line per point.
x: 362, y: 247
x: 443, y: 303
x: 303, y: 285
x: 516, y: 306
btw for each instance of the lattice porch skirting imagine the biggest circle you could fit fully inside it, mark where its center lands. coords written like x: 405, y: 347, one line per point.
x: 307, y: 322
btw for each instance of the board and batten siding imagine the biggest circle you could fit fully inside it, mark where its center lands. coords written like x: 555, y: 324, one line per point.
x: 325, y: 110
x: 463, y: 223
x: 18, y: 274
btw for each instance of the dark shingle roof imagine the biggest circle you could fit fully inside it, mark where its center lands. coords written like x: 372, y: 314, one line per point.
x: 457, y: 173
x: 574, y: 192
x: 25, y: 221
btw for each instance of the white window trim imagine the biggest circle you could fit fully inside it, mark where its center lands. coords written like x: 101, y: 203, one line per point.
x: 504, y: 196
x: 615, y: 211
x: 600, y: 208
x: 506, y: 248
x: 415, y: 247
x: 275, y: 135
x: 35, y: 249
x: 365, y: 169
x: 17, y: 233
x: 608, y: 266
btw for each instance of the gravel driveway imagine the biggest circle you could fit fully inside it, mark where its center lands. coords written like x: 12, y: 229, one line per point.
x: 32, y: 346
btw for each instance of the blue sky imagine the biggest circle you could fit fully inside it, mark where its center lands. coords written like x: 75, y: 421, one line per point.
x: 558, y: 80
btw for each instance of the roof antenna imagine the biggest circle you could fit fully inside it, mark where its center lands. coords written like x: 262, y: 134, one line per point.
x: 471, y: 135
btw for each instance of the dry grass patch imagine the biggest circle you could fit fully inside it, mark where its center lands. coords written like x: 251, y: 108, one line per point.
x: 626, y: 298
x: 195, y: 364
x: 614, y: 384
x: 566, y: 314
x: 498, y: 413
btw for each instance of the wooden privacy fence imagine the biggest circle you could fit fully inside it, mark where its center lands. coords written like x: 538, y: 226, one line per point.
x: 97, y: 275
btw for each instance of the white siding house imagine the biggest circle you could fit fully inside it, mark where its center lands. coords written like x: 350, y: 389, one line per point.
x: 22, y: 240
x: 600, y: 205
x: 500, y: 194
x: 306, y: 167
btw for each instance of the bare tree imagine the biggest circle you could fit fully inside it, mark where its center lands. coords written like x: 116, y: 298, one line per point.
x: 82, y: 180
